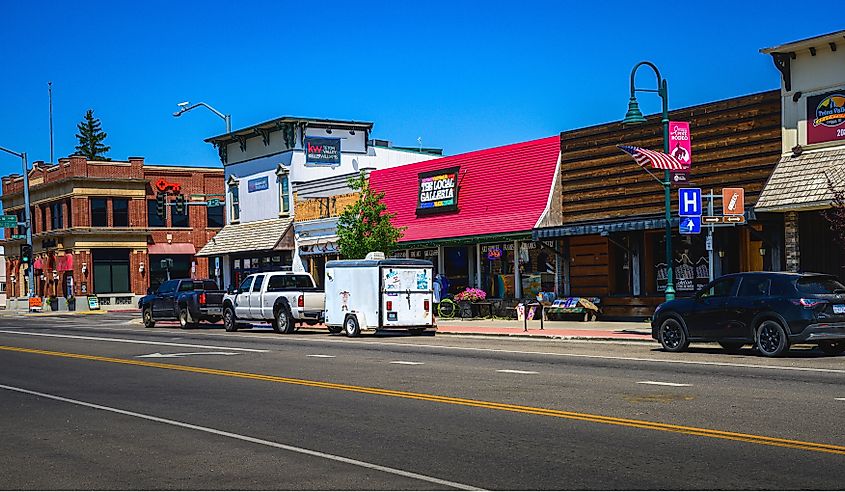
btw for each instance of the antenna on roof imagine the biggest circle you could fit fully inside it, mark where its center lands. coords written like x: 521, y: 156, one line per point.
x: 419, y: 141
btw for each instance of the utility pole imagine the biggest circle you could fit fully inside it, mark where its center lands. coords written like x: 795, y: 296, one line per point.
x: 27, y: 215
x: 50, y: 95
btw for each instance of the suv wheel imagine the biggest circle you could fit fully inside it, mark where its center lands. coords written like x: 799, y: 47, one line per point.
x: 351, y: 326
x: 147, y: 316
x: 672, y: 336
x: 771, y: 339
x: 833, y: 348
x: 229, y: 322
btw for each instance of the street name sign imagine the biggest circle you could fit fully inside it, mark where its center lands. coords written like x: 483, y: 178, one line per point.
x: 18, y: 236
x: 8, y: 220
x: 689, y: 202
x: 690, y: 225
x: 214, y: 202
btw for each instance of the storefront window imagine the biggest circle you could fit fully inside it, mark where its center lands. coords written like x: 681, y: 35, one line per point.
x: 111, y: 270
x: 497, y: 278
x: 690, y: 261
x: 425, y: 254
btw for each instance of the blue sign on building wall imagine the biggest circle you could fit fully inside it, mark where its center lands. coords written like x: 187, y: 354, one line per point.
x: 257, y: 184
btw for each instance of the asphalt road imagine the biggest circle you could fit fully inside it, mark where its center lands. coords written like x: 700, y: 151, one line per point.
x: 99, y: 402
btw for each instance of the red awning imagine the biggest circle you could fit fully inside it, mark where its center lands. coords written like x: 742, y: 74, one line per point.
x: 172, y: 249
x: 64, y: 263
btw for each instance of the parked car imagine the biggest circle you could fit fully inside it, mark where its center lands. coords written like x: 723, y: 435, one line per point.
x: 187, y: 300
x: 771, y: 310
x: 378, y: 293
x: 281, y: 298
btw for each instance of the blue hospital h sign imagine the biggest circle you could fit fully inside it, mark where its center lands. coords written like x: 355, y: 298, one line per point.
x: 689, y: 202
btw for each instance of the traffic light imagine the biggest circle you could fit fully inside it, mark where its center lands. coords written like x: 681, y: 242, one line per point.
x: 180, y: 204
x: 160, y: 204
x: 26, y: 253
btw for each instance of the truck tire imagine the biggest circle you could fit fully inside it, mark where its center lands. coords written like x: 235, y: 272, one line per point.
x: 185, y: 319
x: 351, y: 326
x: 283, y: 322
x: 147, y: 316
x: 229, y: 321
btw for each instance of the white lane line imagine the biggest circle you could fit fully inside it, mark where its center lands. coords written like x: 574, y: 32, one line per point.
x: 322, y: 356
x: 407, y: 362
x: 662, y: 383
x: 500, y: 351
x: 286, y: 447
x: 839, y: 399
x: 514, y: 371
x: 124, y: 340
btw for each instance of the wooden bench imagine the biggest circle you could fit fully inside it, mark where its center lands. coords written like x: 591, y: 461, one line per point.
x: 586, y: 306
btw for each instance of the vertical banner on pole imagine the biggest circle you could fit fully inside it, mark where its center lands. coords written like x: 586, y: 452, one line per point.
x: 680, y: 145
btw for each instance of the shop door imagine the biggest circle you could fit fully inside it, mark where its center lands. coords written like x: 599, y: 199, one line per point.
x: 456, y: 266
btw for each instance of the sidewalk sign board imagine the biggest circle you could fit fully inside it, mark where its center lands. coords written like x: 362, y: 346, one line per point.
x: 733, y: 201
x: 93, y: 303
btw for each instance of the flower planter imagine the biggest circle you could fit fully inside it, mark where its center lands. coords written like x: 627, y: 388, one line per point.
x: 53, y: 303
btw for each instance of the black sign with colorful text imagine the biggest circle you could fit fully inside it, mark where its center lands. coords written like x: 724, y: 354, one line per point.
x: 322, y: 151
x: 438, y: 191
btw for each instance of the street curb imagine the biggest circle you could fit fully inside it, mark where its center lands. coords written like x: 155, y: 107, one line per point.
x: 548, y: 337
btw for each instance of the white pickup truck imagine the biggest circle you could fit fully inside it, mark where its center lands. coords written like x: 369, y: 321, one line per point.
x: 281, y: 298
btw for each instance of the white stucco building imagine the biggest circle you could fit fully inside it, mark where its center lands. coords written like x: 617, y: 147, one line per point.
x: 265, y: 165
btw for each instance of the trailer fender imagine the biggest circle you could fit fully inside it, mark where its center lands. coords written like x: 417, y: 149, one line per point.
x: 362, y: 319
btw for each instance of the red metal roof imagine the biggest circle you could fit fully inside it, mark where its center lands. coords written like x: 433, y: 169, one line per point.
x: 501, y: 190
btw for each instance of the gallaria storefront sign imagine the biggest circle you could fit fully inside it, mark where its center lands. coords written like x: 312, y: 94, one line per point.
x: 438, y: 191
x: 826, y: 117
x: 322, y: 151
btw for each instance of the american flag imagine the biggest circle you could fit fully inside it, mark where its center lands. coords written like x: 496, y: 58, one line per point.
x: 658, y: 160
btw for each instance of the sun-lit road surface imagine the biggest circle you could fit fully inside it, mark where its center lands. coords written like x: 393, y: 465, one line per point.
x: 99, y: 402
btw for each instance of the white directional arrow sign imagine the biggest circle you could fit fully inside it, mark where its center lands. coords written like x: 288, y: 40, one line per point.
x: 184, y: 354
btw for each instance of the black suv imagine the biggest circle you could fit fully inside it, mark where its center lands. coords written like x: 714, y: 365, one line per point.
x: 770, y: 310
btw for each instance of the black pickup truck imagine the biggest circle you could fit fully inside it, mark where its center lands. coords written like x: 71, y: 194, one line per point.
x: 187, y: 300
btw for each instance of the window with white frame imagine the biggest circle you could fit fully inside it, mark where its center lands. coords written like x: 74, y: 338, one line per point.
x: 284, y: 193
x: 234, y: 200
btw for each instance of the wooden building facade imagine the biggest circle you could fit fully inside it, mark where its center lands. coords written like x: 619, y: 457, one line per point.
x: 610, y: 224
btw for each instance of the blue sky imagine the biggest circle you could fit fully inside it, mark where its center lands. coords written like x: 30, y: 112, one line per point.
x: 461, y: 75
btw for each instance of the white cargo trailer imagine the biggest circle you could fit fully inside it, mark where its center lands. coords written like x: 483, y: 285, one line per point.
x: 378, y: 293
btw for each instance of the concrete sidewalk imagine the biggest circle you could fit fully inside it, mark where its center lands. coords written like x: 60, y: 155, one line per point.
x: 569, y: 330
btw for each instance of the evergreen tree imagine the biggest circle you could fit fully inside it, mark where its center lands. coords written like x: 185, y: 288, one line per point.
x: 365, y: 225
x: 91, y: 136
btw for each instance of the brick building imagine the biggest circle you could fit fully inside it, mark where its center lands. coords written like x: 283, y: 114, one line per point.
x: 98, y: 228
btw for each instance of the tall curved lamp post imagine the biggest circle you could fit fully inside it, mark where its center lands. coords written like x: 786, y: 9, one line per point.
x: 186, y: 106
x: 634, y: 116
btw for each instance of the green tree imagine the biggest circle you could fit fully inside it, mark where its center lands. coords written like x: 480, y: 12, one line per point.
x: 836, y: 213
x: 91, y: 136
x: 365, y: 225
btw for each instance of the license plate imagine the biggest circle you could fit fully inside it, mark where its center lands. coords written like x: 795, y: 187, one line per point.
x: 214, y: 310
x: 839, y: 309
x: 391, y: 316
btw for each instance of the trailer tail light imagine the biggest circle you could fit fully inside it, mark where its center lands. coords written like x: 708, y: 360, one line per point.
x: 301, y: 301
x: 426, y: 305
x: 202, y: 298
x: 389, y: 305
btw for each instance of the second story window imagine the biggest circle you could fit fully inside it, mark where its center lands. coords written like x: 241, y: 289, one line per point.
x: 284, y: 194
x: 120, y: 212
x: 99, y: 212
x: 56, y: 216
x: 215, y: 216
x: 179, y: 220
x: 234, y: 199
x: 153, y: 218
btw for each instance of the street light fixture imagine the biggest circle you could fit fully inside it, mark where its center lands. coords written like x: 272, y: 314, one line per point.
x: 27, y: 215
x: 635, y: 116
x: 185, y: 106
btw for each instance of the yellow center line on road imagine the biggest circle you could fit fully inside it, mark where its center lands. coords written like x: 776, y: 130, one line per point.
x: 547, y: 412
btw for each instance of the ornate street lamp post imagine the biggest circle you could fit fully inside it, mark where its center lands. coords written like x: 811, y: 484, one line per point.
x: 634, y: 116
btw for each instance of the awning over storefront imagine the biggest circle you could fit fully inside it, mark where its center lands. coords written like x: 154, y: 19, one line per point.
x: 492, y: 191
x: 641, y: 224
x: 318, y: 245
x: 260, y: 235
x: 172, y: 249
x: 64, y: 263
x: 800, y: 182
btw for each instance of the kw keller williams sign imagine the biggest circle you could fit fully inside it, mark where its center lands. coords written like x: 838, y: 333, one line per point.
x: 322, y: 151
x: 438, y: 191
x: 826, y: 117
